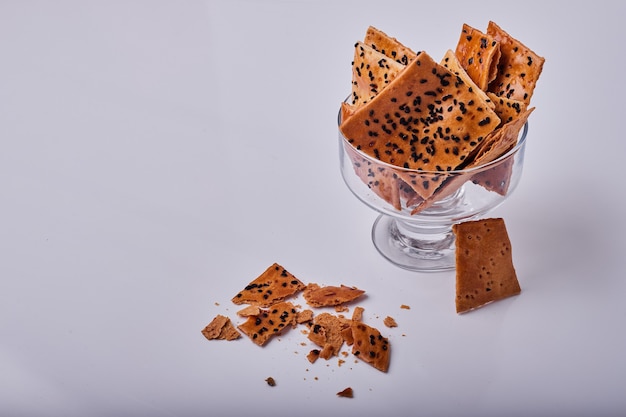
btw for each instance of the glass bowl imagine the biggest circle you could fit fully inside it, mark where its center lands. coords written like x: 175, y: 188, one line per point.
x: 414, y: 233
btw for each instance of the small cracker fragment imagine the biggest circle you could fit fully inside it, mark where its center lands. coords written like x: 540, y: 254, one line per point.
x: 327, y: 296
x: 249, y: 311
x: 270, y: 322
x: 313, y: 355
x: 390, y: 322
x: 484, y: 264
x: 275, y: 284
x: 346, y: 393
x: 357, y: 314
x: 370, y: 346
x: 304, y: 316
x: 220, y: 328
x: 326, y: 332
x: 405, y: 307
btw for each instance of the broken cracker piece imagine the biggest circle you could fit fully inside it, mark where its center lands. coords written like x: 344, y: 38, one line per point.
x: 390, y: 322
x: 220, y: 328
x: 270, y: 322
x: 275, y: 284
x: 317, y: 296
x: 346, y: 393
x: 326, y: 332
x: 370, y: 346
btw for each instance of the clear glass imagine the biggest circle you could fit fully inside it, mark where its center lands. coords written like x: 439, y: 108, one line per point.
x: 416, y: 234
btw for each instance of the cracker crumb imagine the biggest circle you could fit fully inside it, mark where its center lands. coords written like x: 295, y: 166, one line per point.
x: 357, y: 314
x: 346, y: 393
x: 390, y: 322
x: 313, y: 355
x: 405, y: 307
x: 270, y: 381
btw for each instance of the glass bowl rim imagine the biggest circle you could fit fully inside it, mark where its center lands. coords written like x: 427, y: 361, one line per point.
x: 520, y: 143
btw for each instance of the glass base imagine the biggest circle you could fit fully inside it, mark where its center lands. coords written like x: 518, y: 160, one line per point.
x: 415, y: 247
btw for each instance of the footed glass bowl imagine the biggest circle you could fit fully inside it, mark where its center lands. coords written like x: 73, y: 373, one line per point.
x: 416, y: 233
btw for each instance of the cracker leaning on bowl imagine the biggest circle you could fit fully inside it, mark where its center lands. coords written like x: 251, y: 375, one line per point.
x: 484, y: 264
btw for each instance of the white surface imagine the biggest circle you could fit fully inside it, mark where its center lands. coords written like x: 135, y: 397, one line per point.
x: 156, y: 156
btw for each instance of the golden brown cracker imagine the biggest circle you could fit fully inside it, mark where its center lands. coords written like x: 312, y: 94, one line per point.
x: 330, y: 295
x: 370, y: 346
x: 271, y: 322
x: 273, y: 285
x: 484, y: 264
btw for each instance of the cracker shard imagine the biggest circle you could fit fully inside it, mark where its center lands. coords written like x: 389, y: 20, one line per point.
x: 220, y: 328
x: 275, y: 284
x: 331, y: 295
x: 326, y: 332
x: 484, y: 264
x: 269, y: 323
x: 370, y: 346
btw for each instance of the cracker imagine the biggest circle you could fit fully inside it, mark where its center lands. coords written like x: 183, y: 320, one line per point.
x: 271, y: 322
x: 249, y: 311
x: 519, y: 67
x: 357, y: 314
x: 372, y: 71
x: 370, y: 346
x: 326, y: 332
x: 427, y: 118
x: 479, y: 54
x: 220, y: 328
x: 484, y: 264
x: 389, y: 46
x: 273, y: 285
x: 330, y: 295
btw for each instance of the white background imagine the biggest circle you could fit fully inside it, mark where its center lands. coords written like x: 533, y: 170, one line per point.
x: 156, y: 156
